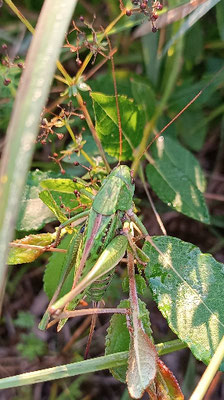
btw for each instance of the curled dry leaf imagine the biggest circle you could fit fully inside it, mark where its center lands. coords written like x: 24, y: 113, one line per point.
x: 167, y: 387
x: 22, y: 250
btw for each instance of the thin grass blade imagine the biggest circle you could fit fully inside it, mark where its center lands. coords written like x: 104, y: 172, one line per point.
x: 31, y: 97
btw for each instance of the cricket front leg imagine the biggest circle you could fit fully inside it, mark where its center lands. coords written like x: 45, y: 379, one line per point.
x: 109, y: 258
x: 66, y: 268
x: 138, y: 223
x: 77, y: 220
x: 139, y: 254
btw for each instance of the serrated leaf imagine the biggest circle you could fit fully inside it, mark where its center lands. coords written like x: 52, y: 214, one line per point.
x: 140, y: 284
x: 33, y: 214
x: 64, y: 185
x: 123, y: 79
x: 49, y: 201
x: 188, y: 287
x: 132, y: 122
x: 167, y: 387
x: 177, y: 179
x: 61, y: 191
x: 20, y: 255
x: 142, y: 363
x: 118, y: 338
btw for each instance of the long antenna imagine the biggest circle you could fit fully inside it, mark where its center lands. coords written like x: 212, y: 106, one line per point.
x: 181, y: 112
x: 116, y: 99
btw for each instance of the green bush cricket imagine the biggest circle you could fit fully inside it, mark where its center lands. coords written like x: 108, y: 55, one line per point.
x: 100, y: 247
x: 103, y: 242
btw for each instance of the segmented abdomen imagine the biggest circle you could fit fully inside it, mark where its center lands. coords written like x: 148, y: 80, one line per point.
x: 98, y: 288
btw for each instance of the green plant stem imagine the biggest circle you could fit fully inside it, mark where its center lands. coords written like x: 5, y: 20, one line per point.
x: 92, y: 129
x: 100, y: 38
x: 69, y: 129
x: 32, y: 30
x: 170, y: 347
x: 209, y: 373
x: 71, y: 81
x: 161, y: 106
x: 23, y: 127
x: 82, y: 367
x: 20, y: 15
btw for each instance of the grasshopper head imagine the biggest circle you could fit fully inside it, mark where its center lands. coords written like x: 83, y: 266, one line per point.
x: 124, y: 173
x: 116, y: 192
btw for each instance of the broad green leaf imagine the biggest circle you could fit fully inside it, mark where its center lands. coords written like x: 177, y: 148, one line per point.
x: 33, y: 214
x: 20, y: 255
x: 142, y: 363
x: 123, y: 79
x: 132, y: 122
x: 118, y: 338
x: 139, y: 281
x: 105, y: 81
x: 62, y: 192
x: 144, y: 96
x: 65, y: 186
x: 192, y: 129
x: 54, y: 271
x: 188, y: 287
x: 49, y: 201
x: 177, y: 179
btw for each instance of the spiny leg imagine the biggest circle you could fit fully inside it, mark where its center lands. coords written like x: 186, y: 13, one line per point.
x: 79, y: 218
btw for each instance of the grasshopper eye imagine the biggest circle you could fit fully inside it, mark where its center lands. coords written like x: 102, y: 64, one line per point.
x: 82, y: 228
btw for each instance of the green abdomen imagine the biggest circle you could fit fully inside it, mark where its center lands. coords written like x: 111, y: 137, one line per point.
x: 99, y: 287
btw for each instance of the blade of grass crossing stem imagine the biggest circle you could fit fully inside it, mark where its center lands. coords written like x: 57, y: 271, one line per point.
x: 209, y: 373
x: 78, y: 368
x: 23, y: 128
